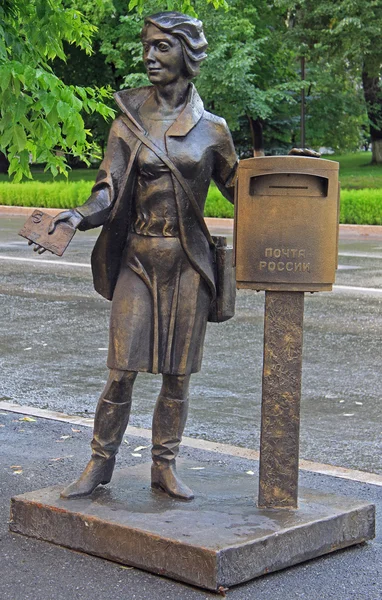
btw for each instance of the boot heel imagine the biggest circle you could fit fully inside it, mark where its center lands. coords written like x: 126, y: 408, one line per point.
x: 108, y: 471
x: 165, y: 478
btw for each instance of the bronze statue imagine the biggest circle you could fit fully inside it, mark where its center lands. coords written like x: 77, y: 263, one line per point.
x: 153, y: 257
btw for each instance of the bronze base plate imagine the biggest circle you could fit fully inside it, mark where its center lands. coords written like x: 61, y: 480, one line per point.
x: 219, y: 539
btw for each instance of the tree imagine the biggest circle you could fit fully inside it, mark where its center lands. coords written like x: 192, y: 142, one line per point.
x: 249, y: 76
x: 347, y: 33
x: 40, y: 115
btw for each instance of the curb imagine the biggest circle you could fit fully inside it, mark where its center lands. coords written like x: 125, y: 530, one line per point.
x: 218, y: 224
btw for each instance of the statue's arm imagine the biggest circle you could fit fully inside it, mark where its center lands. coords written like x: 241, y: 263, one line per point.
x: 225, y: 163
x: 95, y: 211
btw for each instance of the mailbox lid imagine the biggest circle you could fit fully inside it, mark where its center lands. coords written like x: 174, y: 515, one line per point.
x: 288, y: 164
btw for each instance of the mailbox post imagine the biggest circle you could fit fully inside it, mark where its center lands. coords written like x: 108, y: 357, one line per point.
x: 286, y: 244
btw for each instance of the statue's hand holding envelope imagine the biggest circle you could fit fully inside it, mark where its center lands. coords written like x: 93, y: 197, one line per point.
x: 49, y: 233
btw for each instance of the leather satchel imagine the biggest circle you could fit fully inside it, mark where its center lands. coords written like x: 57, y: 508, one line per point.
x: 223, y: 306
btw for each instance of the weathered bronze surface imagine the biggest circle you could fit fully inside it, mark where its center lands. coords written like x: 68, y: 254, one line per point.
x: 36, y: 230
x: 286, y: 227
x: 155, y: 257
x: 220, y: 539
x: 280, y: 409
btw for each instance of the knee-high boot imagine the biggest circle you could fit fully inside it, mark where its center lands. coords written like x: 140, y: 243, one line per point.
x: 110, y: 422
x: 168, y: 424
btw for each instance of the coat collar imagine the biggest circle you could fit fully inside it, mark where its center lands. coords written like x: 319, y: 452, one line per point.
x: 129, y: 101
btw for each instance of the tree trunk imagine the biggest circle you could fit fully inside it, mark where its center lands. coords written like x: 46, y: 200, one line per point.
x: 256, y: 127
x: 376, y: 147
x: 373, y: 95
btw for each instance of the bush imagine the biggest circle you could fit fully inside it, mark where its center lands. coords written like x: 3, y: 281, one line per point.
x: 363, y: 207
x: 63, y: 194
x: 217, y: 205
x: 45, y: 195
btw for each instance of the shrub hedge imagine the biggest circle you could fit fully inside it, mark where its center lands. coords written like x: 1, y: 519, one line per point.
x: 363, y: 207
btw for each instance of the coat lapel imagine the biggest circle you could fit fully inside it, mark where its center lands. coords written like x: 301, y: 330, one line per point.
x: 130, y: 101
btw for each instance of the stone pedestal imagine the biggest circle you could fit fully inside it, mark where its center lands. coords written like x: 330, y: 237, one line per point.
x: 219, y: 539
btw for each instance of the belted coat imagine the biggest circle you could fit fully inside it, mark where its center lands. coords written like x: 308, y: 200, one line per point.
x: 198, y: 143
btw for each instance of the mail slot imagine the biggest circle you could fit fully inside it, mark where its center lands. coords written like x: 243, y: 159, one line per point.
x: 286, y: 223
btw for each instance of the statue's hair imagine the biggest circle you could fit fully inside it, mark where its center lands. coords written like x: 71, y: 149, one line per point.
x: 190, y: 33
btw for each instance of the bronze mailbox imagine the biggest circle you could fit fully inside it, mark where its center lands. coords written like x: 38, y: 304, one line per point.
x: 286, y: 223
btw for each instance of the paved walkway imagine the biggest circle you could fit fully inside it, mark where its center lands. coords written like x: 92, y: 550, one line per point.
x: 341, y: 415
x: 54, y: 336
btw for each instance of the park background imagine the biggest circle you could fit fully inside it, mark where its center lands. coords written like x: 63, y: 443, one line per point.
x: 61, y: 60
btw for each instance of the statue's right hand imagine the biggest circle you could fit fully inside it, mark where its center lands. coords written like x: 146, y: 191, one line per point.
x: 72, y: 217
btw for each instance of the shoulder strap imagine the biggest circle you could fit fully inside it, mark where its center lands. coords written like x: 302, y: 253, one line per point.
x: 175, y: 171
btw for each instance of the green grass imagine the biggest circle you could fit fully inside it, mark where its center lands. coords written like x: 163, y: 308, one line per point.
x: 356, y: 172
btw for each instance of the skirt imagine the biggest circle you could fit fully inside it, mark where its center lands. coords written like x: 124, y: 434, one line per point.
x: 159, y: 310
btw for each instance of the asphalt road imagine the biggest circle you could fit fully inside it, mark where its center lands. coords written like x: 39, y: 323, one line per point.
x: 54, y: 335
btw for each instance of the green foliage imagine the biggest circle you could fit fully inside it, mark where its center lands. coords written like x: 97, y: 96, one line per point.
x: 188, y: 7
x: 335, y: 108
x: 41, y: 116
x: 342, y: 42
x: 248, y: 72
x: 232, y: 79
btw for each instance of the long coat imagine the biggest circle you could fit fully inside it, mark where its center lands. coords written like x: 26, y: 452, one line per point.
x: 198, y: 143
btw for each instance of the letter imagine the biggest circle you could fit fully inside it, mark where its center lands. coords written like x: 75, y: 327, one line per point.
x: 277, y: 253
x: 301, y: 253
x: 280, y: 266
x: 294, y: 253
x: 289, y: 266
x: 263, y: 265
x: 285, y: 252
x: 271, y: 266
x: 297, y: 267
x: 268, y: 252
x: 306, y: 267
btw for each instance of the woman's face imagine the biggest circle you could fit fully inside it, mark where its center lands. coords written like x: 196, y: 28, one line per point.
x: 162, y: 55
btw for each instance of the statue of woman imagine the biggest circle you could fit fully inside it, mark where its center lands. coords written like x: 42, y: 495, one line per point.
x: 153, y: 257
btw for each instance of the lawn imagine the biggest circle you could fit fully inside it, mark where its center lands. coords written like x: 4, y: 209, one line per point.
x: 356, y: 172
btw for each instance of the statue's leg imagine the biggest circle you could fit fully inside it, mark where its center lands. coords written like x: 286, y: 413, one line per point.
x: 110, y: 422
x: 169, y: 419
